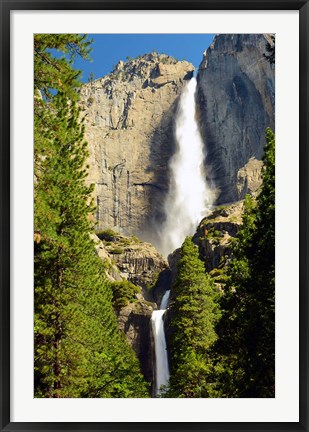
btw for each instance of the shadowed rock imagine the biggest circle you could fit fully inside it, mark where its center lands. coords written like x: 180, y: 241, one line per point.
x: 236, y: 99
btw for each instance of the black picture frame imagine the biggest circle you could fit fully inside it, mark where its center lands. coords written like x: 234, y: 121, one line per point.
x: 6, y: 7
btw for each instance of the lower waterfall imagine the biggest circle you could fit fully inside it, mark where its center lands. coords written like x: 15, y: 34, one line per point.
x: 162, y: 370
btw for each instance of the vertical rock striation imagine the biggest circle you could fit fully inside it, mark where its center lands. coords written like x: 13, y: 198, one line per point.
x: 129, y: 129
x: 236, y: 98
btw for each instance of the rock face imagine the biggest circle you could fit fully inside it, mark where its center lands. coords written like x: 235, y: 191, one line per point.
x: 214, y: 233
x: 236, y: 98
x: 129, y: 129
x: 137, y: 262
x: 140, y: 263
x: 134, y: 321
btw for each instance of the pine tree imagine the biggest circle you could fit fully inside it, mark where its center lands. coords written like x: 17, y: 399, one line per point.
x: 56, y: 73
x: 194, y: 310
x: 77, y: 344
x: 246, y: 344
x: 52, y: 74
x: 79, y: 351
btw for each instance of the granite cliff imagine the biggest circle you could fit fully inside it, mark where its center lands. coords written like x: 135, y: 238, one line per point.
x: 236, y: 99
x: 129, y: 129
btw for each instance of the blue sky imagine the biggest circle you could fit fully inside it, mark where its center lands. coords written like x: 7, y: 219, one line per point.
x: 108, y: 49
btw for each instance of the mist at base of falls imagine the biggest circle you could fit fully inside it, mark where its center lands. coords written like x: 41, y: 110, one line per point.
x: 190, y: 197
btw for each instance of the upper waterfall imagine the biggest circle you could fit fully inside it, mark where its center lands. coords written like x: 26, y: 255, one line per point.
x: 189, y: 196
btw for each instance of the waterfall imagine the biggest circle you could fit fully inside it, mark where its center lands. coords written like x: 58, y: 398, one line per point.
x: 188, y: 201
x: 162, y: 371
x: 189, y: 197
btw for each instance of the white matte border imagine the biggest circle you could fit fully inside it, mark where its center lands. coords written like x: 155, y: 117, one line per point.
x: 283, y: 408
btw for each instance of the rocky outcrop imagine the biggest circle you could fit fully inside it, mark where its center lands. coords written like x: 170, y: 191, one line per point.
x: 249, y: 178
x: 127, y: 258
x: 136, y: 261
x: 129, y: 128
x: 215, y: 232
x: 236, y: 99
x: 111, y: 270
x: 134, y: 321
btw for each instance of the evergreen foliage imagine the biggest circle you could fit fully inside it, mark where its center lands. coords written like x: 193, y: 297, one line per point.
x: 79, y: 351
x: 194, y: 310
x: 51, y: 73
x: 246, y: 344
x: 124, y: 292
x: 229, y: 350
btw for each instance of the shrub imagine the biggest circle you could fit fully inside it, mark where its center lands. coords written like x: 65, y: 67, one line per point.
x: 135, y: 239
x: 214, y: 234
x: 107, y: 235
x: 123, y: 293
x: 116, y: 251
x: 124, y: 240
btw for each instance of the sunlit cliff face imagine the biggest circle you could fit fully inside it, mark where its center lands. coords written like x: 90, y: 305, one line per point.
x: 189, y: 197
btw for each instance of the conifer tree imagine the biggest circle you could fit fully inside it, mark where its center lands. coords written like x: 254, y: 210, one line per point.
x: 246, y: 331
x: 194, y: 310
x: 51, y: 73
x: 78, y: 351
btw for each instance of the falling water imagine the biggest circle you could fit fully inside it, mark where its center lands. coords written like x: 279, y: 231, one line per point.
x: 189, y: 200
x: 189, y: 197
x: 162, y: 371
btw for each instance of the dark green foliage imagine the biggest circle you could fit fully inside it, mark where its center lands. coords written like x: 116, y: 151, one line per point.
x: 194, y: 310
x: 124, y: 292
x: 107, y: 235
x: 78, y: 350
x: 116, y: 251
x: 233, y: 356
x: 51, y: 73
x: 246, y: 331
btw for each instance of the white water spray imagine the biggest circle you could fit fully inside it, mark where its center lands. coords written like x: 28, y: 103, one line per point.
x: 162, y: 370
x: 189, y: 197
x: 188, y: 201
